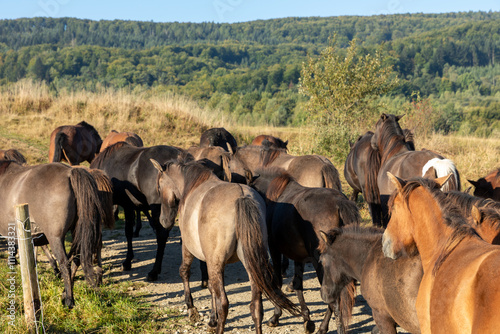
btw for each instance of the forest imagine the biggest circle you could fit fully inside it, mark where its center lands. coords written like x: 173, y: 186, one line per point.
x: 252, y: 69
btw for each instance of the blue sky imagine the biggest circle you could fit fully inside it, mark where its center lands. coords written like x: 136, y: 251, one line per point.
x: 228, y: 10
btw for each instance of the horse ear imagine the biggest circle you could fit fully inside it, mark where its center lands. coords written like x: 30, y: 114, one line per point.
x: 229, y: 148
x: 398, y: 183
x: 441, y: 181
x: 157, y: 165
x: 474, y: 183
x: 226, y: 168
x: 383, y: 116
x: 476, y: 215
x: 325, y: 238
x: 399, y: 117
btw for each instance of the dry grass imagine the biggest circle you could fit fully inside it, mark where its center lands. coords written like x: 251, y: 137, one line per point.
x: 30, y: 112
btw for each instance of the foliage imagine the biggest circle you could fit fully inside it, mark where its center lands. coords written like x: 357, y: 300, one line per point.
x: 341, y: 88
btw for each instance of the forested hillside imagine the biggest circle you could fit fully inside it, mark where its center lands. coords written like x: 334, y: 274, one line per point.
x: 252, y: 69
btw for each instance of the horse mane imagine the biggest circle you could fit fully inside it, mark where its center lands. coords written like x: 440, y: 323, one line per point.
x: 194, y: 174
x: 371, y: 190
x: 452, y: 216
x: 353, y: 231
x: 269, y: 154
x: 489, y: 209
x: 391, y: 138
x: 13, y: 154
x: 86, y: 125
x: 102, y: 156
x: 278, y: 184
x: 409, y: 139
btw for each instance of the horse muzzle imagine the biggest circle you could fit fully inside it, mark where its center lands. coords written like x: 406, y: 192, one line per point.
x: 387, y: 247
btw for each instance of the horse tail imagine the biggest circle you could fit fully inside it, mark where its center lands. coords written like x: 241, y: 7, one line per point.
x: 105, y: 188
x: 371, y: 191
x: 443, y: 167
x: 59, y: 142
x: 331, y: 177
x: 349, y: 212
x: 250, y: 236
x: 87, y: 232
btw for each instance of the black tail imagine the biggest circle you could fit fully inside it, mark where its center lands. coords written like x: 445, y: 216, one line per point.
x: 249, y: 234
x: 87, y: 232
x: 58, y: 146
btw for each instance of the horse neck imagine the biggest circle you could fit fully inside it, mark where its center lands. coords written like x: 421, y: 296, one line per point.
x: 430, y: 231
x: 395, y: 145
x: 353, y: 250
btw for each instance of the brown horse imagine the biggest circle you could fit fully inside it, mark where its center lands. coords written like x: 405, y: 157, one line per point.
x: 218, y: 137
x: 220, y: 223
x: 397, y: 158
x: 308, y: 170
x: 61, y: 200
x: 74, y: 143
x: 295, y: 215
x: 14, y: 155
x: 134, y: 188
x: 459, y: 291
x: 134, y: 140
x: 267, y: 140
x: 115, y: 137
x: 488, y: 186
x: 390, y: 286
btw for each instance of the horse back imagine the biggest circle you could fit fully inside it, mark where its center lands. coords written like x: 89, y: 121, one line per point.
x: 312, y: 171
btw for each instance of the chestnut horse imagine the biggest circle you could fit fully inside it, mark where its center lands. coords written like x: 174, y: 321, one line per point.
x: 267, y: 140
x: 459, y: 291
x: 295, y: 215
x: 61, y: 200
x: 220, y: 223
x: 74, y: 143
x: 134, y: 188
x: 390, y: 286
x: 218, y: 137
x: 114, y: 137
x: 397, y: 158
x: 488, y: 186
x: 14, y: 155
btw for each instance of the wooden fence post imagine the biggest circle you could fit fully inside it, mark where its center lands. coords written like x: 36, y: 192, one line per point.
x: 31, y: 294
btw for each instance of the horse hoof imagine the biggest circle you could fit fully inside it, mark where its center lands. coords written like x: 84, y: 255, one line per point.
x: 193, y: 315
x: 126, y: 266
x: 136, y: 234
x: 309, y: 327
x: 289, y: 287
x: 375, y: 330
x: 273, y: 322
x: 152, y: 277
x: 68, y: 302
x: 204, y: 284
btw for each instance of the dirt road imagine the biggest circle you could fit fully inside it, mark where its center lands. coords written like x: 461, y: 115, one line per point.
x: 167, y: 292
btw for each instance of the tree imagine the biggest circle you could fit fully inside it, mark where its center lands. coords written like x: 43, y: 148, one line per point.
x: 341, y: 85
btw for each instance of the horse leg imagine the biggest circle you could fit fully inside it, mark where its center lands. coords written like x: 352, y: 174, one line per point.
x: 61, y: 257
x: 354, y: 195
x: 298, y: 286
x: 256, y: 308
x: 276, y: 259
x: 52, y: 261
x: 129, y: 233
x: 138, y: 223
x: 185, y: 273
x: 162, y: 234
x: 384, y: 323
x: 216, y: 278
x: 204, y: 275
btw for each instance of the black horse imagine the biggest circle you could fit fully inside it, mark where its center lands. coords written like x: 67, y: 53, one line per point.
x: 134, y: 188
x: 218, y: 137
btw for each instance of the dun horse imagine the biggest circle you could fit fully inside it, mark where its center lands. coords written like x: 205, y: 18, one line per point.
x: 459, y: 291
x: 488, y: 186
x: 61, y: 200
x: 134, y: 188
x: 74, y: 143
x: 295, y: 216
x: 397, y: 158
x: 220, y: 223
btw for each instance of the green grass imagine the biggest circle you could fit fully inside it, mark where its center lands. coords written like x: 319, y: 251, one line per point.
x: 109, y: 309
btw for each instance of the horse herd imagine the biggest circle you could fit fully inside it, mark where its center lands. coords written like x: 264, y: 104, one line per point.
x: 249, y: 203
